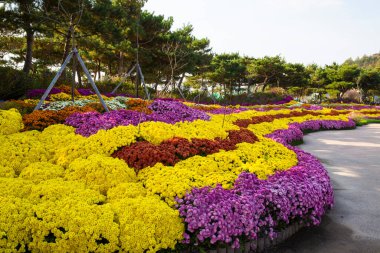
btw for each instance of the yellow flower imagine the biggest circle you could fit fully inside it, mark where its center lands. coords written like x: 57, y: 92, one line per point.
x: 7, y: 172
x: 70, y: 225
x: 126, y: 190
x: 41, y: 171
x: 15, y: 187
x: 58, y: 189
x: 100, y: 173
x: 60, y: 97
x: 147, y: 224
x: 220, y: 168
x: 14, y: 228
x: 10, y: 121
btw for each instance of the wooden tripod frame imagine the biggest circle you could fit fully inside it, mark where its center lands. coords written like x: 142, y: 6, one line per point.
x: 73, y: 53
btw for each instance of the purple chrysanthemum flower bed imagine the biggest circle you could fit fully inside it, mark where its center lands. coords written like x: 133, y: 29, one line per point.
x: 37, y: 93
x: 285, y: 100
x: 174, y: 111
x: 295, y: 130
x: 170, y: 112
x: 315, y: 107
x: 85, y: 91
x: 90, y: 123
x: 256, y: 208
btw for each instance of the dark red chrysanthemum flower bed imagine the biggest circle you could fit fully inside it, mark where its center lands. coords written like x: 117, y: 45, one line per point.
x: 143, y: 154
x: 269, y: 118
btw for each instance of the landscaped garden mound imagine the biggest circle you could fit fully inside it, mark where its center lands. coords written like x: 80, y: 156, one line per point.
x: 159, y: 175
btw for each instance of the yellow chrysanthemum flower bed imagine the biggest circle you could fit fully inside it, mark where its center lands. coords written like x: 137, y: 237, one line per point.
x: 62, y: 192
x: 42, y: 171
x: 220, y: 168
x: 147, y: 224
x: 100, y: 173
x: 265, y: 128
x: 10, y: 121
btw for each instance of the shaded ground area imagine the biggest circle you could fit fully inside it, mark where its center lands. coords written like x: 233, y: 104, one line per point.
x: 352, y: 158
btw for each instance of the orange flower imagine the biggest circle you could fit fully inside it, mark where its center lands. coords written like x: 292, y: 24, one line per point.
x: 39, y: 120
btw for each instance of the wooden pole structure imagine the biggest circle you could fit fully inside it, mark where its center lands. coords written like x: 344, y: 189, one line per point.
x: 55, y: 79
x: 88, y: 75
x: 74, y: 53
x: 125, y: 77
x: 74, y: 64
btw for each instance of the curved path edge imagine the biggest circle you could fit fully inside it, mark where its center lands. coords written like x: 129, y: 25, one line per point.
x: 286, y: 137
x: 352, y: 159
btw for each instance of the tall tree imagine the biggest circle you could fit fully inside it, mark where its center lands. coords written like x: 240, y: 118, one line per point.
x: 266, y: 71
x: 369, y: 79
x: 295, y: 74
x: 342, y: 77
x: 184, y: 52
x: 22, y: 17
x: 229, y: 70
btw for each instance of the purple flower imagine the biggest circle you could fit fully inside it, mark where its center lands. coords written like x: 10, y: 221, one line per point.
x: 164, y: 111
x: 255, y: 208
x: 37, y: 93
x: 85, y: 92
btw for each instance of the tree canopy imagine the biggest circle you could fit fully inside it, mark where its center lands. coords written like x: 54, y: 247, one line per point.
x: 37, y: 35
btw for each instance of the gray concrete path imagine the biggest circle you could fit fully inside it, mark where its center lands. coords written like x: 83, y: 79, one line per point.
x: 352, y: 158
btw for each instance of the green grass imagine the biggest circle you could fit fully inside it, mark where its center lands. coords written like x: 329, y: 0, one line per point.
x: 367, y: 121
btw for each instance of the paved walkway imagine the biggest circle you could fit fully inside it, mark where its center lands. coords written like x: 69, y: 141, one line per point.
x: 352, y: 158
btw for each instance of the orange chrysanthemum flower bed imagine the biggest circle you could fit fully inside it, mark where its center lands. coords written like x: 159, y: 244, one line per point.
x: 39, y: 120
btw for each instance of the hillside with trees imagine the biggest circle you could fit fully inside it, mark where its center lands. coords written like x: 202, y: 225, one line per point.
x: 366, y: 61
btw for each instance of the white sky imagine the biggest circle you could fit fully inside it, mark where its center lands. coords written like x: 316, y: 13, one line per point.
x: 306, y: 31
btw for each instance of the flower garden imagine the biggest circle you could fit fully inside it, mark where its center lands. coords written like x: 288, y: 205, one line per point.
x: 162, y: 175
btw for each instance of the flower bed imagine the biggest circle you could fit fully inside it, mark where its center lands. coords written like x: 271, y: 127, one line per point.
x: 168, y: 112
x: 162, y: 175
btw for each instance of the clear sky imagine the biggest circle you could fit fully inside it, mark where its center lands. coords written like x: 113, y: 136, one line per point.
x: 306, y: 31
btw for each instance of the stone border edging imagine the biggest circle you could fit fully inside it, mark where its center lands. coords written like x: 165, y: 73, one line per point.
x: 264, y: 243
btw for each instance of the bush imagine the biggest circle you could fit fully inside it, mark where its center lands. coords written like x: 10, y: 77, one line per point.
x: 153, y: 224
x: 258, y: 98
x: 127, y: 87
x: 15, y: 83
x: 352, y: 95
x: 278, y: 91
x: 21, y: 106
x: 42, y: 171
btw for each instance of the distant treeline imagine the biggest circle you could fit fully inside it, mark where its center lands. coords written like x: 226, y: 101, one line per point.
x: 37, y: 36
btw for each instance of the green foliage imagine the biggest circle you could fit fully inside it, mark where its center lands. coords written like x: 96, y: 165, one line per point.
x: 23, y: 108
x: 12, y: 83
x: 229, y: 70
x: 369, y: 79
x: 38, y: 35
x: 15, y: 83
x: 340, y: 85
x: 267, y: 70
x: 366, y: 61
x: 296, y: 91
